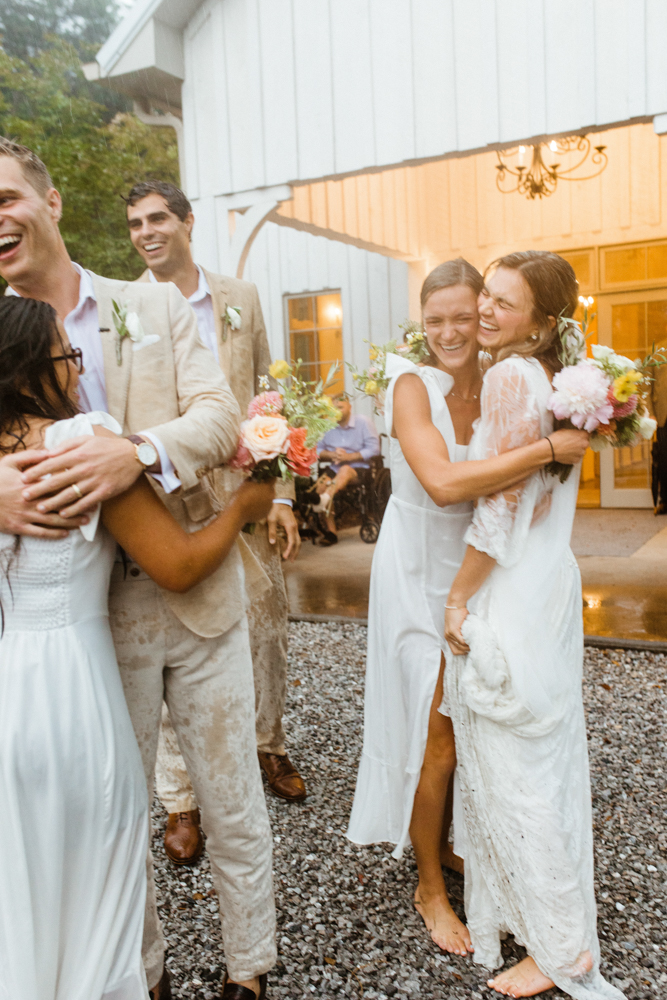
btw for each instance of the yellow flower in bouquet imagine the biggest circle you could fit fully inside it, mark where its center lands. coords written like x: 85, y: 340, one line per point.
x: 626, y: 385
x: 373, y: 353
x: 371, y: 388
x: 326, y: 407
x: 279, y: 369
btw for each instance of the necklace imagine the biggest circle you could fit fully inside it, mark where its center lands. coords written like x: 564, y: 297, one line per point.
x: 466, y: 399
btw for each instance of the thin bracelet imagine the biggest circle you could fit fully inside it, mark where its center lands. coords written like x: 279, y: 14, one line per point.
x: 553, y: 453
x: 449, y: 607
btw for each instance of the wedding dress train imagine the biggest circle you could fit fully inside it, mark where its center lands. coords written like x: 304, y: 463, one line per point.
x: 416, y: 558
x: 516, y: 705
x: 74, y: 831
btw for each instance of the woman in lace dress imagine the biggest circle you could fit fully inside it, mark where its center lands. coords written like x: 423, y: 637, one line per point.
x: 409, y: 756
x: 74, y: 833
x: 513, y: 676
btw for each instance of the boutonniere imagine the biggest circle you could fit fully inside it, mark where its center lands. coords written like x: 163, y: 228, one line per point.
x: 129, y: 325
x: 231, y: 318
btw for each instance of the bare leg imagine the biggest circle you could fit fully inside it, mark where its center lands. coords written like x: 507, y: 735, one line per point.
x: 428, y: 812
x: 447, y: 856
x: 345, y: 475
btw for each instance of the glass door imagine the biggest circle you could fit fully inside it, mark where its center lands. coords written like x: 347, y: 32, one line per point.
x: 630, y: 322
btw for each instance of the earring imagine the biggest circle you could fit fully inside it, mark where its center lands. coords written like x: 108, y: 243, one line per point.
x: 533, y: 336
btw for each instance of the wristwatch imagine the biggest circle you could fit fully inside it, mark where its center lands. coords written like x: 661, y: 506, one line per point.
x: 146, y: 453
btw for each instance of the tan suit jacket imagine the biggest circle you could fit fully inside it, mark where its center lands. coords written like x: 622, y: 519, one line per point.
x: 244, y: 353
x: 172, y: 389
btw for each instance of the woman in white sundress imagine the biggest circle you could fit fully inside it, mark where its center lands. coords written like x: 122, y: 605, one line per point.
x: 74, y: 833
x: 408, y: 755
x: 514, y: 673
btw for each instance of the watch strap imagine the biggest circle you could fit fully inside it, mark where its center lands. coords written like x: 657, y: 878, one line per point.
x: 137, y: 441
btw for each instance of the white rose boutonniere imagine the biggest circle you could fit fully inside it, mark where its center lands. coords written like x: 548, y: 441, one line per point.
x: 129, y: 325
x: 231, y: 318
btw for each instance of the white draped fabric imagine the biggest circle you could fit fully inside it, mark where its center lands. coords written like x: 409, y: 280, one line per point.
x: 516, y: 705
x: 417, y: 556
x: 74, y: 831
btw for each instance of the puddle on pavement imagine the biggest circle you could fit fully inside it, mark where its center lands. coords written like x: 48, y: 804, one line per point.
x: 626, y: 612
x: 334, y: 595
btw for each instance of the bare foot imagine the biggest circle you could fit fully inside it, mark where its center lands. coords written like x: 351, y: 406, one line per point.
x: 451, y: 860
x: 522, y: 980
x: 443, y: 925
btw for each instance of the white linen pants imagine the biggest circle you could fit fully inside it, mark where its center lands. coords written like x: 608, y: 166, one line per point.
x: 267, y: 620
x: 207, y: 685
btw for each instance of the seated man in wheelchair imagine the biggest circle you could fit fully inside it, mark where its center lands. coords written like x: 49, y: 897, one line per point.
x: 348, y: 448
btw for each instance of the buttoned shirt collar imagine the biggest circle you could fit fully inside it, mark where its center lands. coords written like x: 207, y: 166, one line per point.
x: 202, y: 288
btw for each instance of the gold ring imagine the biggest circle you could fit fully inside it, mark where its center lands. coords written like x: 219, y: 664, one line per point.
x: 79, y: 494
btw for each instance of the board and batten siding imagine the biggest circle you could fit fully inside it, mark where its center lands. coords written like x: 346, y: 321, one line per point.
x: 374, y: 289
x: 286, y: 90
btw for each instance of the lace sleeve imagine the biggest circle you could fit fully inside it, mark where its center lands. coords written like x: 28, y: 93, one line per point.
x: 513, y: 414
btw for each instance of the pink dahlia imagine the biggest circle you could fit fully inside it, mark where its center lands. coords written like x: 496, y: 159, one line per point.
x: 267, y: 404
x: 581, y: 395
x: 622, y: 409
x: 242, y: 459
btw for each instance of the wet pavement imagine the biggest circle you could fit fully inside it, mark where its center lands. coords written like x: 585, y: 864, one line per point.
x: 622, y: 555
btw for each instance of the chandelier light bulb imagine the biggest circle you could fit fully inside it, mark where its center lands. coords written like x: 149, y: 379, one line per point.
x: 540, y: 178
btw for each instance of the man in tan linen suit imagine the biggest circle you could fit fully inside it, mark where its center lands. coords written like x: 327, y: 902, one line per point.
x: 160, y: 222
x: 190, y: 650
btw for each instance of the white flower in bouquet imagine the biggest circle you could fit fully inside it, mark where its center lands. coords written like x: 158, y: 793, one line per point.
x: 647, y: 426
x: 581, y: 395
x: 601, y: 352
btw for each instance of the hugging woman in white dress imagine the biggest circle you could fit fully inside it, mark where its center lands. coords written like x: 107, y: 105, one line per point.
x: 74, y: 834
x: 512, y: 685
x: 409, y: 756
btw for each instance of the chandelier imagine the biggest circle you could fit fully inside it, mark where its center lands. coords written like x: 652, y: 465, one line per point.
x: 540, y: 178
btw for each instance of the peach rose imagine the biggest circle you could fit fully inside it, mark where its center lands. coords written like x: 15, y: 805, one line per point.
x: 265, y: 437
x: 300, y: 458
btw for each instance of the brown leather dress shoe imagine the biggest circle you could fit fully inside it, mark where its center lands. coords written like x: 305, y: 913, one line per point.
x: 163, y: 989
x: 233, y: 991
x: 183, y: 839
x: 284, y: 779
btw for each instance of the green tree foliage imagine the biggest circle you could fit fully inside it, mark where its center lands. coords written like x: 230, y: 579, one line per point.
x: 27, y: 25
x: 47, y: 105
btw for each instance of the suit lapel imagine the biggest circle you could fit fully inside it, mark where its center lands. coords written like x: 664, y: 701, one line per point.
x: 116, y: 377
x: 220, y: 301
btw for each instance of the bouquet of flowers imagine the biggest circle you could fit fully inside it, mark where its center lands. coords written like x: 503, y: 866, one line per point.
x: 283, y: 426
x: 605, y: 394
x: 373, y: 381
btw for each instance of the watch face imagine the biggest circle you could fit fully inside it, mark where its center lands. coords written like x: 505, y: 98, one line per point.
x: 147, y: 454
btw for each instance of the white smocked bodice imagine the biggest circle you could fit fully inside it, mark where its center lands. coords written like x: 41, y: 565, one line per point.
x: 50, y: 585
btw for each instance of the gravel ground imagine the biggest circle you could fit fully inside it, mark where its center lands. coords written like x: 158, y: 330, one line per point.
x: 346, y: 924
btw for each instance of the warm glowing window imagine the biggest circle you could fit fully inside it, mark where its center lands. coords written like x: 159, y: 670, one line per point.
x: 315, y: 327
x: 583, y: 262
x: 638, y: 264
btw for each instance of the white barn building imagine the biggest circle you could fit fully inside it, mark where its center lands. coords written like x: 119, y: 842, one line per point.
x: 336, y: 150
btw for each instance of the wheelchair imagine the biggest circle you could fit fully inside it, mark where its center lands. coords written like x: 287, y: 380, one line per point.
x: 364, y: 500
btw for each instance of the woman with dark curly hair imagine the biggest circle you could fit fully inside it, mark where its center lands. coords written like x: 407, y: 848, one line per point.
x: 74, y: 834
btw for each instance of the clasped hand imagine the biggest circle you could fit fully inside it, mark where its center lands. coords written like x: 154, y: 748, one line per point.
x: 100, y: 467
x: 454, y: 619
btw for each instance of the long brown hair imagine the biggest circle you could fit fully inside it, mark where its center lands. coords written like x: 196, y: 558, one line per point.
x: 555, y: 292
